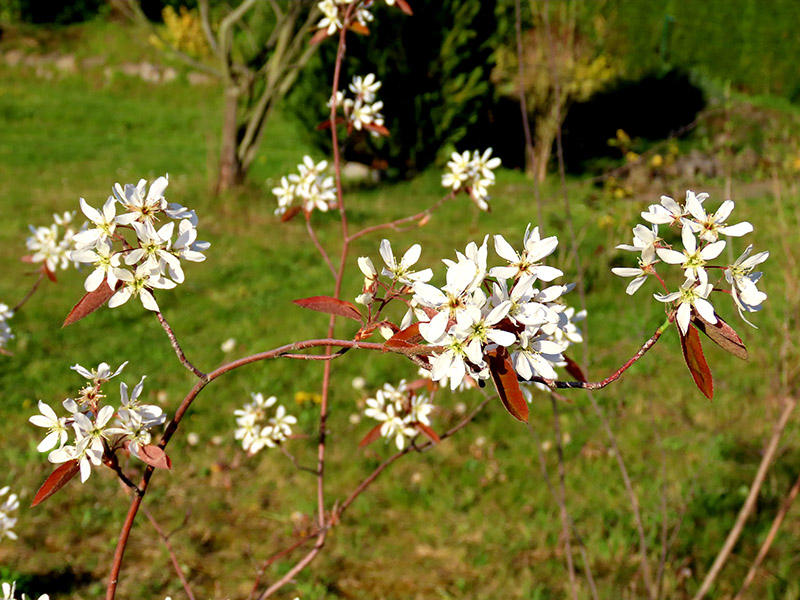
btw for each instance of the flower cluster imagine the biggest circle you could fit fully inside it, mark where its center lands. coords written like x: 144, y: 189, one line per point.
x: 100, y: 429
x: 7, y: 519
x: 51, y: 246
x: 334, y: 12
x: 481, y: 312
x: 10, y: 591
x: 150, y: 261
x: 473, y: 174
x: 256, y: 430
x: 400, y: 410
x: 700, y: 233
x: 312, y: 188
x: 5, y: 331
x: 362, y: 111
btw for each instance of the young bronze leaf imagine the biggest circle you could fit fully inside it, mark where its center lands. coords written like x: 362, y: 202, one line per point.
x: 50, y: 275
x: 291, y: 213
x: 320, y: 35
x: 90, y: 302
x: 722, y: 335
x: 428, y: 432
x: 405, y: 337
x: 696, y: 361
x: 331, y: 306
x: 379, y: 129
x: 505, y: 380
x: 574, y: 369
x: 155, y: 457
x: 403, y: 5
x: 373, y: 435
x: 358, y: 28
x: 57, y: 479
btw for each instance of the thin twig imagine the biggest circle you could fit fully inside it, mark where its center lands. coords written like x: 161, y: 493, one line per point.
x: 178, y: 350
x: 318, y: 246
x: 773, y: 530
x: 750, y: 501
x: 562, y: 501
x: 297, y: 465
x: 173, y: 557
x: 397, y: 222
x: 30, y: 293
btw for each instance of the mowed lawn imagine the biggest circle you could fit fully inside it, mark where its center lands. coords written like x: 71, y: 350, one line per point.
x: 471, y: 519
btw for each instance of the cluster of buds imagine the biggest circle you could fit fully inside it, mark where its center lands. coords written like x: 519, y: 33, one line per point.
x: 700, y: 233
x: 256, y: 429
x: 5, y: 331
x: 472, y: 173
x: 402, y: 411
x: 52, y: 246
x: 362, y: 110
x: 100, y: 429
x: 313, y: 188
x: 480, y: 312
x: 151, y: 258
x: 7, y: 511
x: 10, y: 592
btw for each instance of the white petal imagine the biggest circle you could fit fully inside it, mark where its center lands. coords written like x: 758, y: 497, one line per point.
x: 737, y: 230
x: 712, y: 251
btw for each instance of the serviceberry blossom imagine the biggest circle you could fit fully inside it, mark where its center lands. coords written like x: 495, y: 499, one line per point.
x: 312, y: 187
x: 9, y: 592
x: 334, y: 12
x: 52, y: 247
x: 5, y: 330
x: 480, y: 313
x: 398, y: 409
x: 257, y: 429
x: 700, y: 233
x: 473, y: 173
x: 150, y: 256
x: 8, y: 509
x: 100, y: 430
x: 362, y: 111
x: 401, y: 271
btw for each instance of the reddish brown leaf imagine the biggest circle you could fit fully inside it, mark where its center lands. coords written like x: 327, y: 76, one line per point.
x: 358, y: 28
x: 291, y: 213
x: 722, y: 335
x: 696, y: 361
x: 57, y: 479
x: 155, y: 457
x: 90, y: 302
x: 405, y: 337
x: 50, y: 275
x: 373, y: 435
x: 28, y: 258
x: 428, y: 432
x: 320, y: 35
x: 574, y: 369
x: 505, y: 380
x: 379, y: 129
x: 331, y: 306
x: 403, y: 5
x: 327, y: 124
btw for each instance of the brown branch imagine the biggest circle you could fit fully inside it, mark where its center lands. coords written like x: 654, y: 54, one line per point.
x: 397, y: 222
x: 773, y: 530
x: 165, y: 540
x: 750, y: 501
x: 30, y: 293
x: 178, y: 350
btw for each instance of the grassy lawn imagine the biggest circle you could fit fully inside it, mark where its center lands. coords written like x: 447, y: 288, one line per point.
x: 471, y: 519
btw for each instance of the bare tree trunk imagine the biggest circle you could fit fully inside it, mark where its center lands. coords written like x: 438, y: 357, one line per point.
x: 231, y: 172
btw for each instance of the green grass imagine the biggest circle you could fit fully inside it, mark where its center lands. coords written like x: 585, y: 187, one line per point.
x: 473, y: 518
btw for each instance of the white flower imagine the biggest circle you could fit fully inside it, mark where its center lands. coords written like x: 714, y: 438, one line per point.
x: 639, y: 274
x: 472, y: 172
x: 99, y: 375
x: 56, y: 428
x: 139, y: 284
x: 528, y: 261
x: 536, y: 356
x: 644, y: 241
x: 105, y: 223
x: 669, y: 211
x: 281, y: 424
x: 692, y: 259
x: 402, y: 271
x: 365, y: 87
x: 692, y: 295
x: 105, y: 262
x: 7, y: 519
x: 142, y: 208
x: 710, y: 226
x: 740, y: 276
